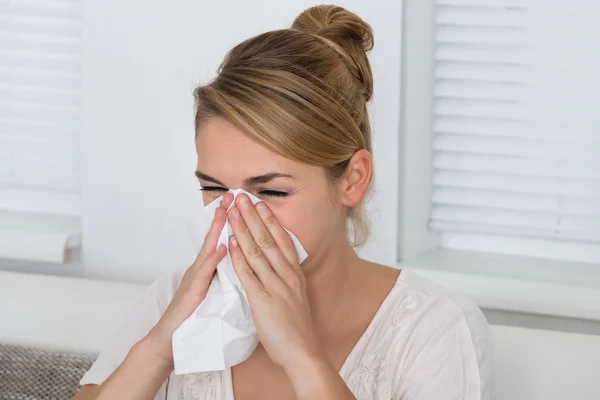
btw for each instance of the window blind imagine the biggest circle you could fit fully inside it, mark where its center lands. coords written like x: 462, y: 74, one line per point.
x: 40, y: 96
x: 516, y: 124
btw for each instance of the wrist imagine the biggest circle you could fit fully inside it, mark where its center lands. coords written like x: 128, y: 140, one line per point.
x: 139, y: 376
x: 307, y: 371
x: 315, y: 377
x: 156, y: 351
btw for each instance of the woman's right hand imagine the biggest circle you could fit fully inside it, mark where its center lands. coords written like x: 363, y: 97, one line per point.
x: 193, y: 287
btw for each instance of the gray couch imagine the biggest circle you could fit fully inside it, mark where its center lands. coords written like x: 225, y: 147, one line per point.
x: 34, y: 374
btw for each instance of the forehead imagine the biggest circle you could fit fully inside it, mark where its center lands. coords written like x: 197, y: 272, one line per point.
x: 225, y: 152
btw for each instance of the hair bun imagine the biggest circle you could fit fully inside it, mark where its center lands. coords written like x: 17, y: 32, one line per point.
x: 335, y: 23
x: 346, y: 30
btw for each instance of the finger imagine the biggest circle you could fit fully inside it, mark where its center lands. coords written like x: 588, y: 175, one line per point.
x: 263, y: 237
x: 208, y: 266
x: 248, y: 278
x: 212, y: 237
x: 254, y: 255
x: 259, y: 231
x: 227, y: 200
x: 287, y: 266
x: 280, y: 236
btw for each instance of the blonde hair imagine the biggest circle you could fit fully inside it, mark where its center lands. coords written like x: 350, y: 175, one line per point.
x: 302, y: 93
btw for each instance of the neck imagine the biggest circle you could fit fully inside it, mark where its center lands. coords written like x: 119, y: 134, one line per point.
x: 331, y: 278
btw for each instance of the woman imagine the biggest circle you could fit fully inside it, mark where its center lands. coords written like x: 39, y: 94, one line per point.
x: 286, y: 119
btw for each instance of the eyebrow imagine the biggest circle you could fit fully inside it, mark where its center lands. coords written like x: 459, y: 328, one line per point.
x: 255, y: 180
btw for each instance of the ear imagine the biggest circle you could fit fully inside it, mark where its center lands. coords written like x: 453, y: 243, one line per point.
x: 355, y: 182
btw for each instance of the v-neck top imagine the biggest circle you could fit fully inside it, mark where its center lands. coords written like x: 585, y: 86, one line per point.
x: 424, y: 342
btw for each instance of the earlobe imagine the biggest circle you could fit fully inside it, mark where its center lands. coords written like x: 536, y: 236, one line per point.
x: 357, y: 178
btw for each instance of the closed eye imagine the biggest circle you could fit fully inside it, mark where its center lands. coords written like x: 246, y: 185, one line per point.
x: 272, y: 193
x: 262, y: 193
x: 213, y: 189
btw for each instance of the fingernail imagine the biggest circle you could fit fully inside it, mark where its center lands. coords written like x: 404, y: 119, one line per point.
x: 245, y: 200
x: 262, y: 208
x: 236, y: 213
x: 234, y: 241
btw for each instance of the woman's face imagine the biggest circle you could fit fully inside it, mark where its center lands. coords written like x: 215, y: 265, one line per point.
x: 299, y: 195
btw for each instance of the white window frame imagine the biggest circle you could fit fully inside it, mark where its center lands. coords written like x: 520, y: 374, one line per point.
x: 39, y: 225
x: 26, y: 200
x: 496, y: 281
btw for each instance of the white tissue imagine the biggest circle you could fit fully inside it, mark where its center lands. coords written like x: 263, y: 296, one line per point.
x: 220, y: 333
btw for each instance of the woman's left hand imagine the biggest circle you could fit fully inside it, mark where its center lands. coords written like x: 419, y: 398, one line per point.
x: 266, y: 262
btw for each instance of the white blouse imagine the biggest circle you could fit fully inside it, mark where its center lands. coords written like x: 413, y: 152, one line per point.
x: 424, y: 343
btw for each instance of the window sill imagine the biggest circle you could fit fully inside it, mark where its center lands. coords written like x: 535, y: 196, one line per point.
x: 38, y: 237
x: 519, y: 284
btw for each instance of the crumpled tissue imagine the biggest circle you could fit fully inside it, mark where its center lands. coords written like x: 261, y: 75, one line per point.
x: 220, y: 333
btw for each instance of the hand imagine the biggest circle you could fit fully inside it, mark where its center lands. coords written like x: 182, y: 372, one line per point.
x: 193, y: 287
x: 266, y: 262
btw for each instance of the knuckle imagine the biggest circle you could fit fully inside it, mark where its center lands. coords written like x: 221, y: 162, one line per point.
x: 294, y: 280
x: 297, y: 269
x: 266, y: 241
x: 210, y: 258
x: 196, y: 271
x: 203, y: 275
x: 270, y: 219
x: 255, y: 251
x: 295, y: 277
x: 247, y: 271
x: 286, y: 241
x: 215, y: 256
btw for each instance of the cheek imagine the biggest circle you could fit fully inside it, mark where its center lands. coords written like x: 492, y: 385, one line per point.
x: 209, y: 197
x: 311, y: 233
x: 312, y: 222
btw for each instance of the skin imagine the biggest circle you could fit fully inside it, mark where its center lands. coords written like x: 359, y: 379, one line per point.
x: 308, y: 316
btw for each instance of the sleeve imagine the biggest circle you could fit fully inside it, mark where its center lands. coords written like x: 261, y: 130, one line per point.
x: 140, y: 318
x: 450, y: 357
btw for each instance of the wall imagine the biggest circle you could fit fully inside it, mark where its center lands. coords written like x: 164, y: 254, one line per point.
x: 532, y: 364
x: 416, y: 129
x: 141, y: 61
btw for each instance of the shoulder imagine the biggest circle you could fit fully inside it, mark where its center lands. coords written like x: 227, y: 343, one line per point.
x: 425, y: 342
x: 432, y: 301
x: 437, y: 312
x: 442, y: 328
